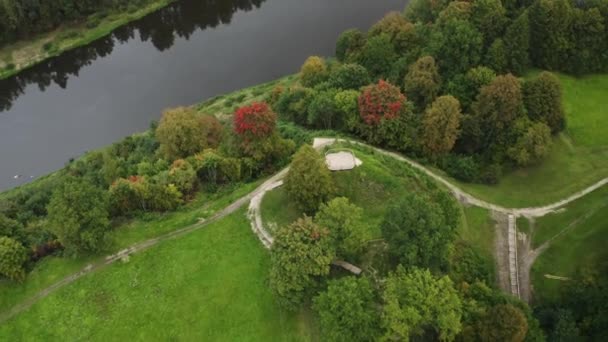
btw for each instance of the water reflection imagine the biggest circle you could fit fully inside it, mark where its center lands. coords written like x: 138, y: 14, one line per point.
x: 180, y: 19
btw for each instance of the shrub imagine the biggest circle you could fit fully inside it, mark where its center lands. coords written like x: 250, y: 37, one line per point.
x: 323, y: 112
x: 463, y: 168
x: 12, y: 257
x: 293, y: 104
x: 543, y: 100
x: 256, y: 121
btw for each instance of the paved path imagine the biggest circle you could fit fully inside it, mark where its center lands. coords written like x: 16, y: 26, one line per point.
x: 318, y: 143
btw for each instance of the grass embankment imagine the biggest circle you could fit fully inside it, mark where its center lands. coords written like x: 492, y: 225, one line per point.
x: 207, y: 286
x: 579, y: 157
x: 582, y: 245
x: 25, y: 54
x: 373, y: 186
x: 477, y: 228
x: 54, y: 268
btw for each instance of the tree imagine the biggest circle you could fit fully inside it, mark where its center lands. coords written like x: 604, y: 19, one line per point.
x: 588, y: 40
x: 517, y: 44
x: 344, y: 222
x: 378, y: 55
x: 78, y: 216
x: 347, y: 310
x: 496, y: 56
x: 183, y: 176
x: 313, y: 71
x: 440, y: 126
x: 181, y: 133
x: 466, y: 87
x: 349, y: 76
x: 382, y: 101
x: 293, y: 104
x: 497, y: 107
x: 347, y: 103
x: 533, y: 142
x: 401, y: 32
x: 416, y: 303
x: 422, y: 82
x: 550, y: 26
x: 424, y: 11
x: 308, y: 182
x: 456, y: 10
x: 213, y: 131
x: 543, y: 100
x: 457, y: 46
x: 12, y: 257
x: 323, y: 112
x: 489, y: 17
x: 300, y: 255
x: 349, y: 45
x: 11, y: 228
x: 416, y: 232
x: 503, y: 322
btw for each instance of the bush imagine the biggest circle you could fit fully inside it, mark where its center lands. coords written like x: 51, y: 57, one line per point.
x: 349, y: 76
x: 12, y: 257
x: 323, y: 112
x: 293, y: 104
x: 181, y: 133
x: 463, y: 168
x: 313, y: 72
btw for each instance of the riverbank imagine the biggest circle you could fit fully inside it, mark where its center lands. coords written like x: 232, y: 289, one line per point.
x: 21, y: 55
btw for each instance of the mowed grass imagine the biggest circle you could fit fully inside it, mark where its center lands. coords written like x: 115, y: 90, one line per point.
x: 579, y: 157
x: 55, y: 268
x: 550, y: 225
x: 584, y: 246
x: 373, y: 186
x: 207, y: 286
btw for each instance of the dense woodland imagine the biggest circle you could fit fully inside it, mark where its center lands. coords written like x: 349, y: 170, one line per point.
x: 442, y: 82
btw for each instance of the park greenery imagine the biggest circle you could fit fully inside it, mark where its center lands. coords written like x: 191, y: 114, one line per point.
x: 457, y: 85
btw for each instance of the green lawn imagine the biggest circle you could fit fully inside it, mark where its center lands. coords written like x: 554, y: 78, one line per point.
x: 52, y: 269
x: 207, y: 286
x: 478, y: 229
x: 583, y: 246
x: 579, y: 156
x: 548, y: 226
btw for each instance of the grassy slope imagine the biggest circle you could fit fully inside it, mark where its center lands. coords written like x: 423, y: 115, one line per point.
x: 25, y: 54
x: 579, y: 157
x: 478, y: 229
x: 209, y: 285
x: 52, y: 269
x: 372, y: 186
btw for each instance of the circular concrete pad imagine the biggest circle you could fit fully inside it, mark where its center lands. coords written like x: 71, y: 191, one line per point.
x: 342, y: 161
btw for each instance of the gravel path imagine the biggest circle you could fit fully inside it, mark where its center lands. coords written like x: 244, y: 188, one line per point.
x: 268, y: 185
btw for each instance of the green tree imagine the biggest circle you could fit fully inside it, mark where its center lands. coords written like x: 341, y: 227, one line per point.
x: 313, y: 71
x: 300, y: 255
x: 11, y: 228
x: 422, y: 82
x: 78, y: 216
x: 349, y: 76
x: 349, y: 45
x: 456, y: 10
x: 347, y: 310
x: 344, y: 221
x: 440, y: 126
x: 293, y: 104
x: 181, y: 133
x: 347, y: 103
x: 401, y: 32
x: 309, y: 183
x: 533, y: 142
x: 425, y: 11
x: 496, y: 56
x: 416, y: 232
x: 466, y: 87
x: 543, y: 100
x: 489, y: 17
x: 416, y: 303
x: 503, y: 322
x: 550, y: 26
x: 517, y: 44
x: 378, y: 55
x: 323, y: 112
x: 457, y: 46
x: 12, y: 257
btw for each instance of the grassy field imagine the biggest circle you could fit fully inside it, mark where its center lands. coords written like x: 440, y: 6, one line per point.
x: 207, y: 286
x: 52, y: 269
x: 578, y: 159
x: 582, y: 246
x: 373, y: 186
x: 24, y: 54
x: 478, y: 229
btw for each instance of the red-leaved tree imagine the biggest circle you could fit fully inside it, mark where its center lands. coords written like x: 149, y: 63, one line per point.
x: 254, y: 122
x: 380, y: 101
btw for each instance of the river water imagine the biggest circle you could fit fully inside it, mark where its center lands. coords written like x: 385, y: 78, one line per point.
x: 190, y: 51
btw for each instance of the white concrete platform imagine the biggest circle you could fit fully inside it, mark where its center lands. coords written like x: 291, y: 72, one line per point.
x: 342, y: 161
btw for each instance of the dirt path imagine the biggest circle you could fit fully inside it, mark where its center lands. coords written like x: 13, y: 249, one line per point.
x: 266, y: 186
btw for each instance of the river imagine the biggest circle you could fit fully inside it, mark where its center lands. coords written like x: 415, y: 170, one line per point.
x: 190, y: 51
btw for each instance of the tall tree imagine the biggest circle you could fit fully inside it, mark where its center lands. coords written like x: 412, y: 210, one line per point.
x: 313, y: 71
x: 378, y: 55
x: 489, y: 17
x: 181, y: 133
x: 517, y: 44
x: 550, y: 26
x: 347, y: 310
x: 400, y: 31
x: 309, y: 183
x: 543, y: 100
x: 417, y: 304
x: 422, y: 82
x: 457, y: 45
x: 503, y: 322
x: 533, y: 142
x: 344, y: 221
x: 440, y: 126
x: 300, y: 255
x: 78, y: 216
x: 349, y: 45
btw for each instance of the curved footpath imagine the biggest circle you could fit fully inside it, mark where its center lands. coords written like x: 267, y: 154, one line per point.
x: 266, y: 239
